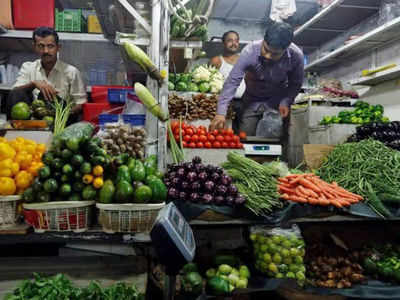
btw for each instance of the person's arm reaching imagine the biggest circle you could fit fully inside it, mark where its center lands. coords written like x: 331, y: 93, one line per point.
x: 295, y: 81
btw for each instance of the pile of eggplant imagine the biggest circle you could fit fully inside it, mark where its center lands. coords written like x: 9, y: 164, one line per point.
x: 387, y: 133
x: 199, y: 183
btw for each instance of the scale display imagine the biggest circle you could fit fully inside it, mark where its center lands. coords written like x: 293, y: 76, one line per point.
x: 173, y: 234
x: 263, y: 149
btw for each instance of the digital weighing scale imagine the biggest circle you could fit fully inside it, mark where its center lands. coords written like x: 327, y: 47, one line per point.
x: 259, y: 146
x: 173, y: 239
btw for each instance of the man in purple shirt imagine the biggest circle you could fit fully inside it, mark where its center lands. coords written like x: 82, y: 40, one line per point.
x: 274, y: 69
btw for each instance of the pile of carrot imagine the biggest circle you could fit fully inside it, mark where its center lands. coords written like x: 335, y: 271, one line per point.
x: 309, y: 188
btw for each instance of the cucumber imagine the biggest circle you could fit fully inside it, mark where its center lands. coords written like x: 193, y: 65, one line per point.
x: 139, y: 172
x: 159, y: 190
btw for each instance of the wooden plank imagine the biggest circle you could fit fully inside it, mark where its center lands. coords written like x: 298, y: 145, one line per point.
x: 16, y: 229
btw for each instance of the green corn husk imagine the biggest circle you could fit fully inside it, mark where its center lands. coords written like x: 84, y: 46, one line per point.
x: 140, y: 57
x: 148, y: 100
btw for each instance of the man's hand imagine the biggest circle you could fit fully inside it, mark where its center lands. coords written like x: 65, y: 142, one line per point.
x: 48, y: 91
x: 284, y: 111
x: 217, y: 123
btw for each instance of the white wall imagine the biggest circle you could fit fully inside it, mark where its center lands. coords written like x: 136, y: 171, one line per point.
x: 387, y: 93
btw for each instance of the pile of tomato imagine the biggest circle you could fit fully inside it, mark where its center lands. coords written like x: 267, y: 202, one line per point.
x: 200, y: 137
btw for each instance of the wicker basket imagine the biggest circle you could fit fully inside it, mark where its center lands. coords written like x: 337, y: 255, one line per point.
x: 132, y: 218
x: 8, y: 210
x: 59, y: 216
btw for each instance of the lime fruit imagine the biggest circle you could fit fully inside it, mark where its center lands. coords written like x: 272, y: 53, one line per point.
x: 21, y: 111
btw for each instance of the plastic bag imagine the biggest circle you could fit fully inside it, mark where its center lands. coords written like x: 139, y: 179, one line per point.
x: 389, y: 10
x: 270, y: 126
x: 133, y: 106
x: 282, y: 9
x: 279, y: 252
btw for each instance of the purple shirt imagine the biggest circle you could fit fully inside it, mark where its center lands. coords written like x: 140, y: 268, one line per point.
x: 267, y: 82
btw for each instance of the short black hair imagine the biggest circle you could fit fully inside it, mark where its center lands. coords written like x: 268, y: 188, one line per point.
x: 279, y: 35
x: 226, y: 34
x: 43, y: 32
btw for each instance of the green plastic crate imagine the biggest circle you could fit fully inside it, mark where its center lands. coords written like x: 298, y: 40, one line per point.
x: 69, y: 20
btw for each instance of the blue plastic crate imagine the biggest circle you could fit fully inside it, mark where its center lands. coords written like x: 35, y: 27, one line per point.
x: 108, y: 118
x: 134, y: 120
x: 119, y: 96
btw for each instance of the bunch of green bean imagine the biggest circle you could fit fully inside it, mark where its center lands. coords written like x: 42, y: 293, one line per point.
x: 365, y: 168
x: 255, y: 182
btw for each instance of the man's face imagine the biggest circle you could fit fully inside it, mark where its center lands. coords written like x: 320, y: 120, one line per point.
x: 46, y: 48
x: 231, y: 43
x: 270, y: 53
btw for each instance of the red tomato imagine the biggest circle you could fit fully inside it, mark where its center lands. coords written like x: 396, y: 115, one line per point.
x: 219, y: 138
x: 235, y: 139
x: 229, y: 131
x: 184, y: 144
x: 232, y: 145
x: 242, y: 135
x: 224, y: 145
x: 187, y: 138
x: 201, y: 132
x: 192, y: 145
x: 223, y: 131
x: 189, y: 131
x: 215, y: 132
x: 174, y: 124
x: 194, y: 130
x: 200, y: 145
x: 195, y: 138
x: 207, y: 145
x: 211, y: 137
x: 202, y: 138
x: 216, y: 144
x: 176, y: 137
x: 201, y: 127
x: 239, y: 145
x: 183, y: 125
x: 227, y: 138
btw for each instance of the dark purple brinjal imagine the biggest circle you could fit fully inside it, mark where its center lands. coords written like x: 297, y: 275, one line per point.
x: 180, y: 173
x: 219, y: 170
x: 210, y: 169
x: 171, y: 175
x: 190, y: 167
x: 182, y: 196
x: 226, y: 180
x: 167, y: 183
x: 186, y: 165
x: 240, y: 200
x: 232, y: 190
x: 222, y: 190
x: 207, y: 198
x: 185, y: 185
x: 215, y: 177
x: 202, y: 176
x: 176, y: 182
x: 173, y: 193
x: 230, y: 200
x: 195, y: 186
x: 219, y: 200
x: 191, y: 176
x: 194, y: 197
x: 209, y: 186
x: 198, y: 168
x: 196, y: 160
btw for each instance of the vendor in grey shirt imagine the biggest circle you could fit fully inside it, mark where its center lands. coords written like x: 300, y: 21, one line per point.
x: 274, y: 69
